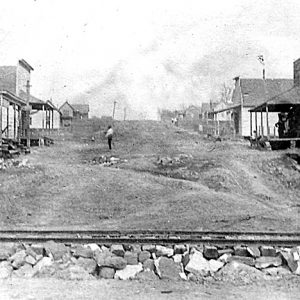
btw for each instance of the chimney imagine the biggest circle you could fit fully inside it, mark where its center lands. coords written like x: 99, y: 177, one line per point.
x: 297, y: 72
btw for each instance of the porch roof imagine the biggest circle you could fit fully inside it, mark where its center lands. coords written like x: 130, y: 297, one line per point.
x: 282, y: 102
x: 12, y: 98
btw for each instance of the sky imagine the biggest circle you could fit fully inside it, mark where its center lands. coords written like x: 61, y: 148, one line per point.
x: 146, y: 55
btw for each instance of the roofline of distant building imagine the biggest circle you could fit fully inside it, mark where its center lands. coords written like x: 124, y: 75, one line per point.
x: 25, y: 64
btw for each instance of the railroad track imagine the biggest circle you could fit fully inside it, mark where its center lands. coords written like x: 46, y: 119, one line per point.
x: 152, y: 237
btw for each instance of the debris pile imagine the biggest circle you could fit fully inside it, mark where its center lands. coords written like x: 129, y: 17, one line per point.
x: 179, y: 262
x: 107, y: 161
x: 179, y: 160
x: 17, y: 163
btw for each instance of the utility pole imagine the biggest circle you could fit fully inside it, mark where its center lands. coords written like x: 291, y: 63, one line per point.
x: 113, y: 115
x: 124, y: 113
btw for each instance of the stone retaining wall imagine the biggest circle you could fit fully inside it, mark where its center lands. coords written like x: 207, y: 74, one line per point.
x: 178, y: 262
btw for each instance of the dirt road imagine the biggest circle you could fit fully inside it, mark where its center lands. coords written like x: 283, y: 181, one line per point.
x: 200, y: 184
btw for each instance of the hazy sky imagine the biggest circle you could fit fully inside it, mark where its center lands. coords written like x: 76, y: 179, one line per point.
x: 146, y: 54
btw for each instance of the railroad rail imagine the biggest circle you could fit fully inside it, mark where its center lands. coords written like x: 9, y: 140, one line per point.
x: 152, y: 237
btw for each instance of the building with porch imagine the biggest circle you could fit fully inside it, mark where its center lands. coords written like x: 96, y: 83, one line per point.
x: 286, y: 106
x: 10, y: 115
x: 249, y: 93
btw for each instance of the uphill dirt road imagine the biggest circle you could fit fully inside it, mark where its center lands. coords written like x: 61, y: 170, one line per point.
x: 164, y: 178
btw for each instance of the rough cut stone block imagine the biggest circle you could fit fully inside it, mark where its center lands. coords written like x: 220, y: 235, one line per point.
x: 225, y: 251
x: 267, y: 261
x: 57, y: 250
x: 5, y: 269
x: 164, y: 251
x: 149, y: 248
x: 267, y: 251
x: 242, y: 259
x: 297, y: 271
x: 198, y: 265
x: 295, y: 253
x: 253, y: 251
x: 134, y: 248
x: 37, y: 248
x: 88, y: 264
x: 101, y: 256
x: 239, y: 271
x: 107, y: 273
x: 115, y: 262
x: 179, y: 249
x: 18, y: 259
x: 277, y: 271
x: 81, y: 251
x: 185, y: 259
x: 143, y: 256
x: 7, y: 250
x: 147, y: 276
x: 149, y: 265
x: 43, y: 263
x: 215, y: 265
x: 24, y: 271
x: 240, y: 251
x: 117, y: 250
x: 129, y: 272
x: 166, y: 268
x: 177, y: 258
x: 131, y: 258
x: 225, y: 257
x: 94, y: 247
x: 210, y: 252
x: 30, y: 260
x: 74, y: 272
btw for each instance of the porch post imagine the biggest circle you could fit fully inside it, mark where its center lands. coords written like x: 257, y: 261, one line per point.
x: 250, y: 123
x: 15, y: 121
x: 7, y: 121
x: 256, y: 124
x: 43, y: 112
x: 52, y: 118
x: 267, y: 120
x: 261, y: 122
x: 19, y: 123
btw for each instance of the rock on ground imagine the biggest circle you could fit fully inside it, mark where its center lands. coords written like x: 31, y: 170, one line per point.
x: 198, y: 265
x: 129, y: 272
x: 166, y: 268
x: 107, y: 273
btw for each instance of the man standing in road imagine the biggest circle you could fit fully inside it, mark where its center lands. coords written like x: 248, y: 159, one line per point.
x: 109, y: 136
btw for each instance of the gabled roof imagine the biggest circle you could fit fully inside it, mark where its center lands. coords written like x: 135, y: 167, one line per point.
x: 256, y: 91
x: 81, y: 108
x: 8, y: 78
x: 66, y: 103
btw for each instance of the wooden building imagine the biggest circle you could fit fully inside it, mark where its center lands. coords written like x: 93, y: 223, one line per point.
x: 247, y: 94
x: 286, y: 106
x: 11, y: 115
x: 70, y: 112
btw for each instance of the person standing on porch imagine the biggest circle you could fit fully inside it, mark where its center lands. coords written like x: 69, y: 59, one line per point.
x: 280, y: 125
